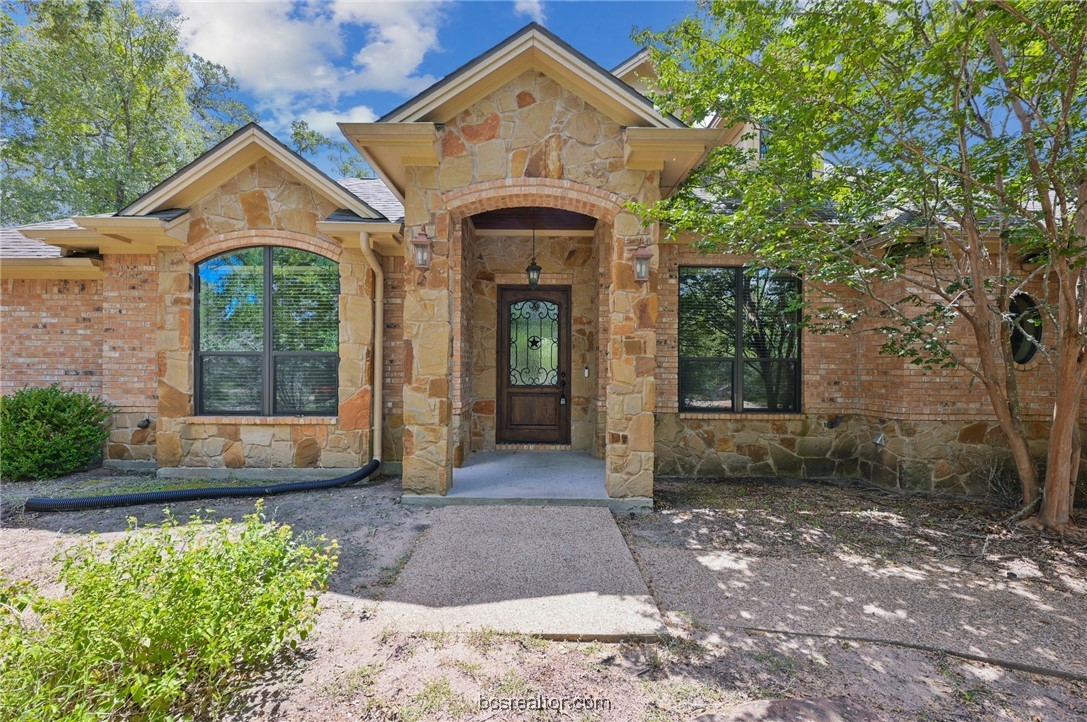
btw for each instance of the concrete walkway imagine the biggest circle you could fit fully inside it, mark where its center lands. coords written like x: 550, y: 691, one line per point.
x: 559, y: 573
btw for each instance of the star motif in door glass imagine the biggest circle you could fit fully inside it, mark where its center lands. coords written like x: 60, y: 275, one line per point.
x: 534, y: 342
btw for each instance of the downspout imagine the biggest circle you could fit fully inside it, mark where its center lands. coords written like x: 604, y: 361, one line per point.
x: 378, y: 411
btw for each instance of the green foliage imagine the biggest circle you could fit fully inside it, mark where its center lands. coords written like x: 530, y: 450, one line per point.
x: 48, y: 432
x: 953, y: 134
x: 345, y: 161
x: 164, y: 624
x: 99, y: 103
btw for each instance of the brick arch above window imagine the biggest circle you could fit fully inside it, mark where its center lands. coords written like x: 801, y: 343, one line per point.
x: 542, y: 192
x: 214, y: 245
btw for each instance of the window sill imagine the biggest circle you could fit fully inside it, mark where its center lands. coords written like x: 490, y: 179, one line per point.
x: 260, y: 420
x: 747, y: 415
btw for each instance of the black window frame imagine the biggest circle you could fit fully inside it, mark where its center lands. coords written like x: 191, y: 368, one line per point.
x: 268, y: 354
x: 741, y: 273
x: 1024, y: 343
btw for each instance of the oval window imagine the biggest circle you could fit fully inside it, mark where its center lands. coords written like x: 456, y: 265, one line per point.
x: 1026, y: 328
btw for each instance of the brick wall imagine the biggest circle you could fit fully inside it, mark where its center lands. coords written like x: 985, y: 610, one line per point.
x: 938, y: 426
x: 393, y: 446
x: 51, y: 332
x: 129, y: 319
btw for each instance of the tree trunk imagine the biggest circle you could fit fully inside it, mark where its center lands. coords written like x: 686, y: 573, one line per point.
x: 1062, y: 463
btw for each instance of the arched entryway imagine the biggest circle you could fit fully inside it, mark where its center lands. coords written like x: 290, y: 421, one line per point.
x: 442, y: 420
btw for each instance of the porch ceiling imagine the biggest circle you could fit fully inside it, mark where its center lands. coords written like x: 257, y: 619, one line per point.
x: 526, y: 219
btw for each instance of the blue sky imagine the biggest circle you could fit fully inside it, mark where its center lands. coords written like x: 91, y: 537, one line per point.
x: 348, y: 60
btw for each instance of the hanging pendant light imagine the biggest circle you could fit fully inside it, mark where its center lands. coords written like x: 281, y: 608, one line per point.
x: 533, y: 269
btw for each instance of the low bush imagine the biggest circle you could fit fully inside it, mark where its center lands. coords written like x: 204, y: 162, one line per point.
x: 48, y: 432
x: 164, y: 624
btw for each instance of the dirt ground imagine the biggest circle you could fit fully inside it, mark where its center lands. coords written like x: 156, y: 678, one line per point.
x: 718, y: 557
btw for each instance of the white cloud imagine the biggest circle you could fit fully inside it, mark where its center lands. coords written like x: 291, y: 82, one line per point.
x: 325, y: 121
x: 301, y: 59
x: 531, y: 8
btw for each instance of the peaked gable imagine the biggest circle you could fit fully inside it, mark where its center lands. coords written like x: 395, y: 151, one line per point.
x: 238, y: 151
x: 532, y: 47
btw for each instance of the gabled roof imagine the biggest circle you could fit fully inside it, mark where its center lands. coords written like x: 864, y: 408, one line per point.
x: 531, y: 47
x: 238, y: 151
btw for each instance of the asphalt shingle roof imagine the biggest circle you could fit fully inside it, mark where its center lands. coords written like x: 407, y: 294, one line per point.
x: 375, y: 194
x: 13, y: 244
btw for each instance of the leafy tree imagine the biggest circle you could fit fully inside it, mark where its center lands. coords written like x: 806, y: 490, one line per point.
x: 345, y: 161
x: 921, y: 162
x: 99, y: 103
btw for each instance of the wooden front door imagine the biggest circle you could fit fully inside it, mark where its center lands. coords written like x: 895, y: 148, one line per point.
x: 533, y: 372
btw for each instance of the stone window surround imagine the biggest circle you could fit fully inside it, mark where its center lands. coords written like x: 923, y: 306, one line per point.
x: 215, y: 245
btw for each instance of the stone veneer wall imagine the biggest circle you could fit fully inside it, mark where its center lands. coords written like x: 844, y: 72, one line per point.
x: 501, y: 260
x: 531, y: 143
x: 262, y: 205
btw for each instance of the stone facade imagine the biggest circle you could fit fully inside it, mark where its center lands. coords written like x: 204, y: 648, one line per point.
x: 530, y: 143
x: 262, y: 205
x: 501, y: 260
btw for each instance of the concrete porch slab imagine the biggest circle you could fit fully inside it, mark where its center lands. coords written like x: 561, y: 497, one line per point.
x: 558, y: 573
x: 533, y: 478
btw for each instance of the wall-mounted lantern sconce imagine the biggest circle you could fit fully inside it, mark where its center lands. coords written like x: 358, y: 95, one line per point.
x: 879, y: 439
x: 421, y: 247
x: 641, y: 258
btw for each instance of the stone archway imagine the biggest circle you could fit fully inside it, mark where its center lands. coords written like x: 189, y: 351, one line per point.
x: 434, y: 319
x: 543, y: 192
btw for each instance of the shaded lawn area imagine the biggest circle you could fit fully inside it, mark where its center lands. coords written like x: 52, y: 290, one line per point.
x: 718, y: 556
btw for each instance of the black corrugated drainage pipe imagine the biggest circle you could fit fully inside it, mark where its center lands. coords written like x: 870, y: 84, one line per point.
x: 80, y: 503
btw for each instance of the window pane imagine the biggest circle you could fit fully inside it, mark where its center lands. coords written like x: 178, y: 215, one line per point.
x: 771, y: 322
x: 230, y: 384
x: 707, y: 312
x: 770, y: 386
x: 1026, y: 333
x: 534, y: 343
x: 705, y: 384
x: 231, y: 292
x: 306, y: 384
x: 305, y: 301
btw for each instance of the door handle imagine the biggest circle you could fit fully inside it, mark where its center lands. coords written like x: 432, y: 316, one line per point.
x: 562, y: 389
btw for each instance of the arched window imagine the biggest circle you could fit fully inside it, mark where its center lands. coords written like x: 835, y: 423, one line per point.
x: 1026, y: 328
x: 267, y: 333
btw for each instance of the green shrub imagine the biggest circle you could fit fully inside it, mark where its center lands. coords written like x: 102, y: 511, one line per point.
x: 164, y: 624
x: 48, y: 432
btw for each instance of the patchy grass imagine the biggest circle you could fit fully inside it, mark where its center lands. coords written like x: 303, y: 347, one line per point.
x: 357, y: 682
x: 436, y: 696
